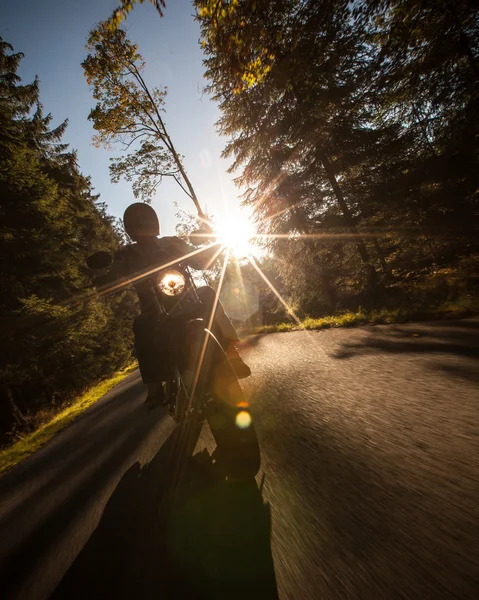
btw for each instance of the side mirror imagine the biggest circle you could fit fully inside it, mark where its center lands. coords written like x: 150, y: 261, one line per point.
x: 99, y: 260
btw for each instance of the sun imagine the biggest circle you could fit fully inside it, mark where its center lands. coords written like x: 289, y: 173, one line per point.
x: 236, y: 232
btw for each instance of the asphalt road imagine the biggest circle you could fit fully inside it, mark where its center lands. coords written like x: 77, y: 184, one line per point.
x: 370, y: 483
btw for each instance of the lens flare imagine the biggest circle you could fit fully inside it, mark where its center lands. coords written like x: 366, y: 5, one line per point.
x: 243, y: 419
x: 236, y: 232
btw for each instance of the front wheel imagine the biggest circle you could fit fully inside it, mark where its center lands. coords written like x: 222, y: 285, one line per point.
x: 231, y: 423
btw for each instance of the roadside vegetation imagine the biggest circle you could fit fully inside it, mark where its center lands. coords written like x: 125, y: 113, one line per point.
x: 57, y: 338
x: 445, y: 294
x: 465, y: 307
x: 44, y: 425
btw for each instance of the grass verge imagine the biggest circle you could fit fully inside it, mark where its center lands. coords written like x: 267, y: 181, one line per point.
x: 30, y: 442
x: 463, y: 307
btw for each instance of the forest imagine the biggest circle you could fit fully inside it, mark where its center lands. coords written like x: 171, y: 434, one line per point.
x: 54, y: 340
x: 352, y: 130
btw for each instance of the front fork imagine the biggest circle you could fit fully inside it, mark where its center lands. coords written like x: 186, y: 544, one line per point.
x: 190, y: 365
x: 180, y: 354
x: 203, y: 365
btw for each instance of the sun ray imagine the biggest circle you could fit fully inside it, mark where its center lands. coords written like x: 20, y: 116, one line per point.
x: 210, y: 324
x: 142, y: 274
x: 322, y: 236
x: 235, y: 230
x: 283, y: 174
x: 283, y: 302
x: 282, y: 211
x: 212, y: 260
x: 241, y: 282
x: 366, y: 233
x: 26, y: 323
x: 218, y: 291
x: 274, y: 290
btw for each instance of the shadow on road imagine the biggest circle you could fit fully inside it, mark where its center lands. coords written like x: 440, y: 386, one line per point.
x: 175, y: 531
x: 251, y: 341
x: 449, y: 337
x: 62, y: 480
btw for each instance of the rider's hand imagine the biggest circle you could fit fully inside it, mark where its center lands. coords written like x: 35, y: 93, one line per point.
x: 202, y: 235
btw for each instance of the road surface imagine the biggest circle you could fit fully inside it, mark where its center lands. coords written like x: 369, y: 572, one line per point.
x: 370, y: 483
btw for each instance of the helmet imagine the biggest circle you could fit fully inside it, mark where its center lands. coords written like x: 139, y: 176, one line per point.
x: 140, y: 220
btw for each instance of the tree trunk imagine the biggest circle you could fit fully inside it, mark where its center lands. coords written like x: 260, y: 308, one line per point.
x: 463, y: 40
x: 186, y: 179
x: 363, y: 253
x: 466, y: 48
x: 165, y: 138
x: 384, y: 265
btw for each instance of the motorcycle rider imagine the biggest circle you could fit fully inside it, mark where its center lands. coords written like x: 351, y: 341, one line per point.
x: 142, y: 225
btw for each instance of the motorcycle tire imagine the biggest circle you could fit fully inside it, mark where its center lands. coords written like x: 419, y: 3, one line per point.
x: 238, y: 453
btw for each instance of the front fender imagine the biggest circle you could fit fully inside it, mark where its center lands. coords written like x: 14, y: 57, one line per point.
x: 207, y: 357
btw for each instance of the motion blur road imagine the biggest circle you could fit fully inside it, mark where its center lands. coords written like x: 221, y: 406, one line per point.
x: 370, y: 483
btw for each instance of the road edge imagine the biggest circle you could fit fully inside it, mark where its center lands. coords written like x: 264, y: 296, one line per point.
x: 31, y: 442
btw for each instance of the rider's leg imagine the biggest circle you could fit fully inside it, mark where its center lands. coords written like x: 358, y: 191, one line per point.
x: 230, y: 338
x: 146, y: 349
x: 207, y: 295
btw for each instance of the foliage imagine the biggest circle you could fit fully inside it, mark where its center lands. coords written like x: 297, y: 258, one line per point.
x: 126, y: 6
x: 42, y: 432
x: 188, y: 222
x: 128, y: 112
x: 463, y: 307
x: 354, y: 127
x: 53, y: 340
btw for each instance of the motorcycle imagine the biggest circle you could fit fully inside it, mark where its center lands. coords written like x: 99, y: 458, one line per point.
x: 180, y: 349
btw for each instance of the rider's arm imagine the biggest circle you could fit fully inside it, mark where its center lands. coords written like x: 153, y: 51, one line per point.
x: 193, y: 257
x: 116, y: 273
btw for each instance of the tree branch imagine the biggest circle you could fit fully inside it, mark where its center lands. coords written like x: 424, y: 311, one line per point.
x: 181, y: 186
x: 127, y: 146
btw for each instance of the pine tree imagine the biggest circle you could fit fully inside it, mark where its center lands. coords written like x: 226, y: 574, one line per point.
x: 351, y: 119
x: 51, y: 343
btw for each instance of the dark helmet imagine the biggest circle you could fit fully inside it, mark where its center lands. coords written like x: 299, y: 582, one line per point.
x: 140, y: 220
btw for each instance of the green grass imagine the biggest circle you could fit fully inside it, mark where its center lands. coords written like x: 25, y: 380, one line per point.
x: 463, y: 307
x: 30, y: 442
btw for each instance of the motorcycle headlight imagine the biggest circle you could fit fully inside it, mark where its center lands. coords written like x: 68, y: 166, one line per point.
x: 172, y: 283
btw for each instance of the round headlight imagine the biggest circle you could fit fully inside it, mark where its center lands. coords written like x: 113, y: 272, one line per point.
x: 172, y: 283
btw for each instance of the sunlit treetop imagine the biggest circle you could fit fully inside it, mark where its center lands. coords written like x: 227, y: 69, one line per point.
x: 223, y: 29
x: 223, y: 26
x: 113, y: 70
x: 121, y: 12
x: 130, y: 113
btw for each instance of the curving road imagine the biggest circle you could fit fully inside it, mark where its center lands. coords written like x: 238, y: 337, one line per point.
x: 369, y: 483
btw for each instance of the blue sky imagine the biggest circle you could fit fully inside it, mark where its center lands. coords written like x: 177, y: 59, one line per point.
x: 52, y: 34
